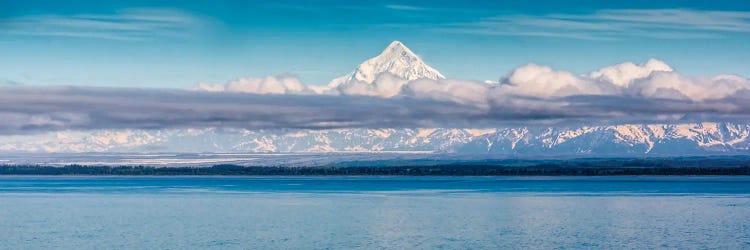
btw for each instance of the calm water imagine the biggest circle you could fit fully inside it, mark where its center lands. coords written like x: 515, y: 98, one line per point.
x: 374, y: 212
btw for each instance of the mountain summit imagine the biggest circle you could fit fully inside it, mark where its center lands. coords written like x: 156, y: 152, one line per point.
x: 396, y: 59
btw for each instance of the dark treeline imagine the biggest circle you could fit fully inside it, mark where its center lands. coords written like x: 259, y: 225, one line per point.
x: 577, y: 167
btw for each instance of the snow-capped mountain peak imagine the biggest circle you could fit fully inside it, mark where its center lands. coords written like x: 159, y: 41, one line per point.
x: 396, y: 59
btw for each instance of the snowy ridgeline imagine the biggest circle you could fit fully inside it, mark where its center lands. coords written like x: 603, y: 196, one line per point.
x: 682, y: 139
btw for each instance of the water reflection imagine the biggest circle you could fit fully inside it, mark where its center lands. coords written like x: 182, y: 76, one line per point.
x: 401, y: 214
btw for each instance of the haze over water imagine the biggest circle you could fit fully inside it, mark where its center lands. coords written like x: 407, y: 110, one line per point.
x: 374, y: 212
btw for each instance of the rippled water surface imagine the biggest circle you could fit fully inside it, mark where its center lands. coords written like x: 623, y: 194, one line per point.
x: 374, y: 212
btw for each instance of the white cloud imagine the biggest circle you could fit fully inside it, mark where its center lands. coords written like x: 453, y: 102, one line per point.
x: 210, y: 87
x: 624, y: 73
x: 384, y: 85
x: 543, y: 81
x: 650, y: 79
x: 672, y: 85
x: 283, y: 84
x: 453, y: 90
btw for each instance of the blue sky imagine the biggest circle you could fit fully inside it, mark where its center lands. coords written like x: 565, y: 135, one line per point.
x: 180, y: 43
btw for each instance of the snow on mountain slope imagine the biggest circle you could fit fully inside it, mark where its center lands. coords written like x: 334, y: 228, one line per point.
x: 397, y: 60
x: 631, y: 139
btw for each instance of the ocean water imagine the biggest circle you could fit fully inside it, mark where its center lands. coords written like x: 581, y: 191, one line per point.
x: 374, y: 212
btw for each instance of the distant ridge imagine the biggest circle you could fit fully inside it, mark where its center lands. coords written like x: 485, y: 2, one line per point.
x: 737, y: 165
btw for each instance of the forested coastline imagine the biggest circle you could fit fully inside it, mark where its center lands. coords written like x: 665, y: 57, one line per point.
x: 575, y: 167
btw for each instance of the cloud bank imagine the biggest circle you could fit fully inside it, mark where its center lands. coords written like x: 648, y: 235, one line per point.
x: 531, y: 94
x: 650, y: 79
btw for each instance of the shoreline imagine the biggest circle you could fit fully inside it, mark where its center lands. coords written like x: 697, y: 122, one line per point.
x: 437, y: 171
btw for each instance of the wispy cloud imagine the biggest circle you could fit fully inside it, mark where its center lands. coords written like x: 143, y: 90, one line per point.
x: 8, y: 82
x: 613, y: 24
x: 404, y: 7
x: 128, y: 24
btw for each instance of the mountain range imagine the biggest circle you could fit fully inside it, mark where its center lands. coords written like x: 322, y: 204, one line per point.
x: 397, y: 60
